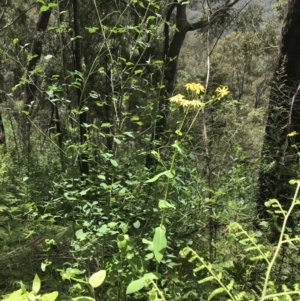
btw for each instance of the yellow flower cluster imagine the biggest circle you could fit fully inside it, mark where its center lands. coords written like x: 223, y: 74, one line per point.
x: 222, y: 91
x: 197, y: 88
x: 292, y: 134
x: 181, y: 101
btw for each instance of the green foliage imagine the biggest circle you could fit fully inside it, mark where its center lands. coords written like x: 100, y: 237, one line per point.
x: 115, y: 232
x: 256, y: 252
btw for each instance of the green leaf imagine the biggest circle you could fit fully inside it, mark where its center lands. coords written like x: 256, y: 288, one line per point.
x: 159, y: 243
x: 52, y: 4
x: 97, y: 278
x: 44, y: 8
x: 137, y: 224
x: 122, y: 241
x: 135, y: 286
x: 162, y: 204
x: 48, y: 57
x: 92, y: 29
x: 36, y: 285
x: 50, y: 297
x: 80, y: 234
x: 215, y: 292
x: 118, y: 141
x: 167, y: 173
x: 15, y: 41
x: 114, y: 162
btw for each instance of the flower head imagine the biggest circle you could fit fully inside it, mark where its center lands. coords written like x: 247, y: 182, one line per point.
x: 292, y: 134
x: 197, y: 88
x: 181, y: 101
x: 222, y: 91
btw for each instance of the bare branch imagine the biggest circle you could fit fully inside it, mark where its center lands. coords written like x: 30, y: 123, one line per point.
x: 16, y: 19
x: 214, y: 16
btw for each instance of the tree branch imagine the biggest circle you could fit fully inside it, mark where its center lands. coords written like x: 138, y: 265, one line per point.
x: 16, y: 19
x: 214, y: 16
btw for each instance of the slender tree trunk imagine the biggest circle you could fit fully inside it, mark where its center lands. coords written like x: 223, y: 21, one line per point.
x: 30, y: 85
x: 280, y: 160
x: 83, y: 158
x: 2, y: 132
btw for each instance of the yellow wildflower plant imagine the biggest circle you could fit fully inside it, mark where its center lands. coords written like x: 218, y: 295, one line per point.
x: 222, y: 91
x: 181, y: 101
x: 194, y: 87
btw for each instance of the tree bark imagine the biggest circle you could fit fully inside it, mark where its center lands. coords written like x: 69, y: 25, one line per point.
x: 30, y: 85
x: 280, y: 160
x: 83, y: 158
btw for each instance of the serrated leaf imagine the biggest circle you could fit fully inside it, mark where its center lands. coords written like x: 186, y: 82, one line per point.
x: 159, y: 243
x: 97, y: 278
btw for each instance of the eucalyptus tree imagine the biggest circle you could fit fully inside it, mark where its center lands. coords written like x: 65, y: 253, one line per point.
x: 280, y: 154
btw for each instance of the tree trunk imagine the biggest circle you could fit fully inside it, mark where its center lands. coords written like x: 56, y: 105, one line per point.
x: 83, y: 158
x: 30, y: 85
x: 279, y: 155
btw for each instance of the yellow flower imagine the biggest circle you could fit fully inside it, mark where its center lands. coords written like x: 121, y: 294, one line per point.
x: 222, y: 91
x: 179, y: 99
x: 292, y: 134
x: 197, y: 88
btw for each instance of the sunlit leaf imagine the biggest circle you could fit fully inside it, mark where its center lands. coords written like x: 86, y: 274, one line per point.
x: 36, y: 285
x: 97, y: 278
x: 159, y: 243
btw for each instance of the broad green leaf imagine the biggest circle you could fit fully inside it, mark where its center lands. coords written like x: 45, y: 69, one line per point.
x: 97, y: 278
x: 52, y: 4
x: 215, y: 292
x: 50, y: 297
x: 44, y: 8
x: 36, y: 285
x: 135, y: 286
x: 15, y: 41
x: 83, y: 299
x: 114, y: 162
x: 80, y: 234
x: 118, y: 141
x: 159, y: 243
